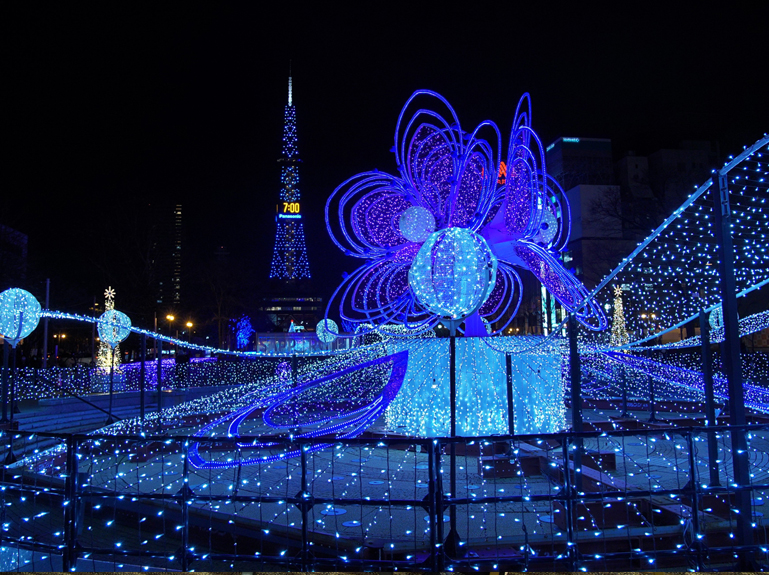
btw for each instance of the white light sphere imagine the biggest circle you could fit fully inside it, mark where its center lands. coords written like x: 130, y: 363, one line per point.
x: 547, y: 229
x: 327, y: 330
x: 453, y: 273
x: 19, y: 314
x: 416, y: 224
x: 114, y: 326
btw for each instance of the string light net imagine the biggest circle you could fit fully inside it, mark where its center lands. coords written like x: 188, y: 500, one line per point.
x: 453, y: 273
x: 19, y: 314
x: 674, y: 273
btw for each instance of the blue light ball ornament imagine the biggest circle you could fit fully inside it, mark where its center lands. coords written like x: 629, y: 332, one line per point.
x: 283, y: 371
x: 716, y: 317
x: 327, y: 330
x: 453, y: 273
x: 19, y: 314
x: 114, y: 326
x: 416, y: 224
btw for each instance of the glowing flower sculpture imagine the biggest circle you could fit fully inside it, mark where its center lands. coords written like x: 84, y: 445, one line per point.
x: 443, y: 238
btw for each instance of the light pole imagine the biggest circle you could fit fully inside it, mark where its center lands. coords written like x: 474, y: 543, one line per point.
x: 58, y: 339
x: 170, y: 318
x: 189, y: 331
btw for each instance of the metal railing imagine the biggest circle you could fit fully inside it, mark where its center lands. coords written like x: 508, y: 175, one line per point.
x: 640, y: 499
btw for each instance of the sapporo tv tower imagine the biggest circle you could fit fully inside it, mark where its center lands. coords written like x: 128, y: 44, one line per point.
x: 289, y: 258
x: 290, y: 268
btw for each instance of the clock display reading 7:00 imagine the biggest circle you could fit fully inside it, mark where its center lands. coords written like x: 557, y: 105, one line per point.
x: 290, y: 207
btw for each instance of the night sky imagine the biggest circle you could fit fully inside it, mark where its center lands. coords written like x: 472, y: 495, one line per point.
x: 110, y: 106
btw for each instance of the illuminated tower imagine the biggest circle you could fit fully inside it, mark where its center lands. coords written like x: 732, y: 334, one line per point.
x: 289, y: 259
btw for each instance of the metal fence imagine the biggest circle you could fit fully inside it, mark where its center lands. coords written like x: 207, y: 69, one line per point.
x: 604, y: 500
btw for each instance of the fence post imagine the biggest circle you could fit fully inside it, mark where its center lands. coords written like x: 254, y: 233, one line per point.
x: 433, y: 511
x: 710, y: 408
x: 652, y: 402
x: 69, y: 557
x: 6, y: 345
x: 305, y: 505
x: 623, y: 378
x: 575, y: 372
x: 733, y: 365
x: 695, y: 495
x: 110, y: 421
x: 570, y: 508
x: 453, y: 540
x: 142, y: 378
x: 186, y: 493
x: 159, y: 356
x: 437, y: 487
x: 13, y: 383
x: 510, y: 405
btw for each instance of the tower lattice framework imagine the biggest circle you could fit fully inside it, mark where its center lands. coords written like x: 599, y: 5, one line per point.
x: 289, y: 258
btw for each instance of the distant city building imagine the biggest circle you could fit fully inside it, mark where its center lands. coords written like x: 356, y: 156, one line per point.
x: 674, y: 173
x: 585, y: 169
x: 653, y: 186
x: 13, y: 257
x: 166, y: 254
x: 574, y: 161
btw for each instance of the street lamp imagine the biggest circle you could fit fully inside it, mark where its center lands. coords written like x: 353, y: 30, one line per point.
x: 58, y: 339
x: 189, y: 331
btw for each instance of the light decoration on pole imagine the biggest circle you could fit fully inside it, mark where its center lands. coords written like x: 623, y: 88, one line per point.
x: 449, y: 186
x: 19, y: 314
x: 716, y: 318
x: 619, y: 335
x: 453, y: 273
x: 105, y: 357
x: 114, y: 326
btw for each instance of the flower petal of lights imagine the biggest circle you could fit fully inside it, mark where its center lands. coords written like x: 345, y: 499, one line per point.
x: 114, y: 326
x: 532, y: 224
x: 19, y: 314
x: 453, y: 273
x: 448, y: 179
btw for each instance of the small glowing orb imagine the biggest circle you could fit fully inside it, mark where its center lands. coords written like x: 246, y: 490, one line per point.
x: 416, y: 224
x: 283, y: 371
x: 453, y: 273
x: 716, y: 318
x: 547, y: 229
x: 327, y: 330
x: 114, y: 326
x: 19, y: 314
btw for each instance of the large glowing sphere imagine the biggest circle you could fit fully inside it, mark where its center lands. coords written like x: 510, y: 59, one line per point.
x: 416, y: 224
x: 453, y: 273
x: 327, y: 330
x: 114, y: 326
x: 19, y: 314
